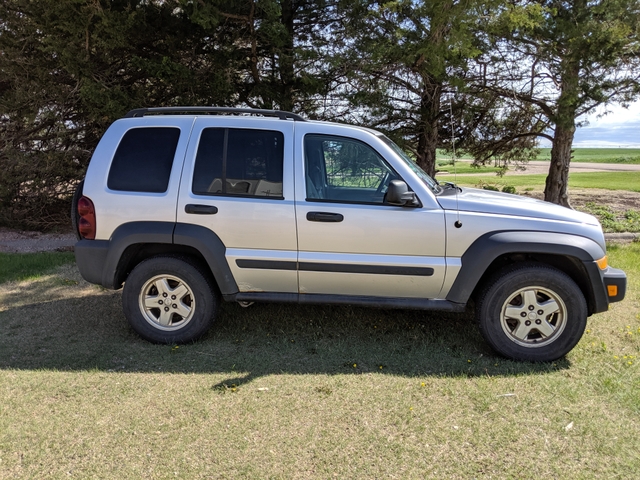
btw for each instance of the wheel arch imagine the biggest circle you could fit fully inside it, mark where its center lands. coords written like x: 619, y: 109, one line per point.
x: 131, y: 243
x: 574, y: 255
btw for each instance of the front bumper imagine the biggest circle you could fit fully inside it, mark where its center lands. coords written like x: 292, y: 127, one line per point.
x: 615, y: 284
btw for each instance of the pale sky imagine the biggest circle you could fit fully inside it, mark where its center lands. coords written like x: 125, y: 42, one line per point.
x: 619, y: 128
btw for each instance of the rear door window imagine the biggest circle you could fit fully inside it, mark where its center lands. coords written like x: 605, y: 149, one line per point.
x: 239, y: 162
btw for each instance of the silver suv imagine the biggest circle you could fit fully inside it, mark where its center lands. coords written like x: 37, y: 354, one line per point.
x: 188, y: 206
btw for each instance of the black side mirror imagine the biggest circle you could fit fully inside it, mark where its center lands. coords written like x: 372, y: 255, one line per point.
x: 398, y: 194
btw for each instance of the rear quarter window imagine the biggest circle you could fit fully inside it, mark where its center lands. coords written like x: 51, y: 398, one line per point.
x: 143, y: 160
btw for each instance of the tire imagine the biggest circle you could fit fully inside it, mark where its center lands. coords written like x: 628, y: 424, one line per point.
x: 193, y: 300
x: 532, y: 312
x: 75, y: 216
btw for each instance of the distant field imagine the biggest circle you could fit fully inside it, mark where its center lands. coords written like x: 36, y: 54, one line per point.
x: 587, y: 155
x: 599, y: 155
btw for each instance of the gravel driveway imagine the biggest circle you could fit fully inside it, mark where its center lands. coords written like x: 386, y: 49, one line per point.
x: 17, y: 241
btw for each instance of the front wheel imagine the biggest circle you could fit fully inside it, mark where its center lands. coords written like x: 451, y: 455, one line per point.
x: 169, y: 300
x: 532, y: 312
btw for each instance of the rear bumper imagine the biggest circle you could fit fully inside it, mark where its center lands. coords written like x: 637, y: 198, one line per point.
x: 91, y: 257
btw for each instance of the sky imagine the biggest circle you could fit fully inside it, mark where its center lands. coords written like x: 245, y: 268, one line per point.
x: 618, y: 128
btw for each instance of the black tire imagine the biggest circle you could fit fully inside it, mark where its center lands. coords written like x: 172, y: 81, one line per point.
x: 75, y: 216
x: 532, y: 312
x: 189, y: 313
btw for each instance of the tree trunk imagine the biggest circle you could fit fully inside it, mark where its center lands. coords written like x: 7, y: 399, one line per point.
x: 287, y: 72
x: 428, y: 127
x: 556, y: 187
x: 557, y: 184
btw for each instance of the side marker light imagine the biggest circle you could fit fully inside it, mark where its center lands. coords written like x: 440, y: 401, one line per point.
x: 602, y: 263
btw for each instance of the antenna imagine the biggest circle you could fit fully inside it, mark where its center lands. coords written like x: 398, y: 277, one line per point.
x: 457, y: 223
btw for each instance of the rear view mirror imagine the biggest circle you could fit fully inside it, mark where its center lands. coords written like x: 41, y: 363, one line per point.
x: 399, y: 194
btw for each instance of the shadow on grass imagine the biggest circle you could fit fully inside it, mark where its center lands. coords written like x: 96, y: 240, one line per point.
x: 91, y: 333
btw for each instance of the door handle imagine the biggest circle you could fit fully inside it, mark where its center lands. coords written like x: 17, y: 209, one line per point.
x: 324, y: 217
x: 200, y: 209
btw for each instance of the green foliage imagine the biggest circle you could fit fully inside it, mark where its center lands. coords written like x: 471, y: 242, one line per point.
x: 69, y: 68
x: 628, y: 222
x: 408, y: 56
x: 509, y: 189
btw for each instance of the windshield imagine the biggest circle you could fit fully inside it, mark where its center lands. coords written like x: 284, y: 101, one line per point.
x: 426, y: 179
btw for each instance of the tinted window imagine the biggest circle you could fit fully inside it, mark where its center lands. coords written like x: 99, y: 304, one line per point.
x: 239, y: 162
x: 345, y: 170
x: 143, y: 160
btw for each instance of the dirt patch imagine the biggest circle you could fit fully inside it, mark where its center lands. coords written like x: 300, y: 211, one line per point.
x: 618, y: 200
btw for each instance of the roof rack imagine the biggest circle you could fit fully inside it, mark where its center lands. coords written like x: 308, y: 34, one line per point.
x: 282, y: 115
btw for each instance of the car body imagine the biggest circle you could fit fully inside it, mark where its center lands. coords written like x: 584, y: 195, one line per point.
x: 254, y: 205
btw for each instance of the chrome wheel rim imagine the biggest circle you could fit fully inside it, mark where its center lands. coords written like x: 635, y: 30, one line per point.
x: 533, y: 317
x: 167, y: 302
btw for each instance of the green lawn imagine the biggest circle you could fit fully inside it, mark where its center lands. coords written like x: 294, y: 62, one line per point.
x: 277, y: 391
x: 24, y: 266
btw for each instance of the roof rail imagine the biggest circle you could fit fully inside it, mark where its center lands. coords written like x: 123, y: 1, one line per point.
x: 282, y: 115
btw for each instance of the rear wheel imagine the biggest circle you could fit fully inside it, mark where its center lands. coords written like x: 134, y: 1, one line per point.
x: 169, y: 300
x: 532, y: 312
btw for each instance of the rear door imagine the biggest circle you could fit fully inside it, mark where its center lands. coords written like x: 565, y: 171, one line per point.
x: 238, y: 182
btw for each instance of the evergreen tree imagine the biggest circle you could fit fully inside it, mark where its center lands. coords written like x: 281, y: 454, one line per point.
x: 68, y: 68
x: 409, y: 58
x: 280, y: 49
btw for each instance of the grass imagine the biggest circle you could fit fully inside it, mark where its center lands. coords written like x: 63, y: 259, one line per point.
x: 605, y: 180
x: 30, y: 265
x: 276, y: 391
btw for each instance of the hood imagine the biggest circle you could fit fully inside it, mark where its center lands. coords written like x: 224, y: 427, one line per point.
x: 487, y: 201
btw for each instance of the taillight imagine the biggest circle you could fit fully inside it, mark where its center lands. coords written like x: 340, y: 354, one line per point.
x: 87, y: 222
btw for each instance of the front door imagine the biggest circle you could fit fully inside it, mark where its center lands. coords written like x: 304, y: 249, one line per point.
x: 352, y: 243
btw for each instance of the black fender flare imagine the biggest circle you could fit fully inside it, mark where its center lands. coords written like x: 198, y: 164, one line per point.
x: 206, y: 242
x: 212, y: 249
x: 487, y: 248
x: 128, y: 234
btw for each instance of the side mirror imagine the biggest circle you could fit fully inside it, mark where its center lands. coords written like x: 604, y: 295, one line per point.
x: 398, y: 194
